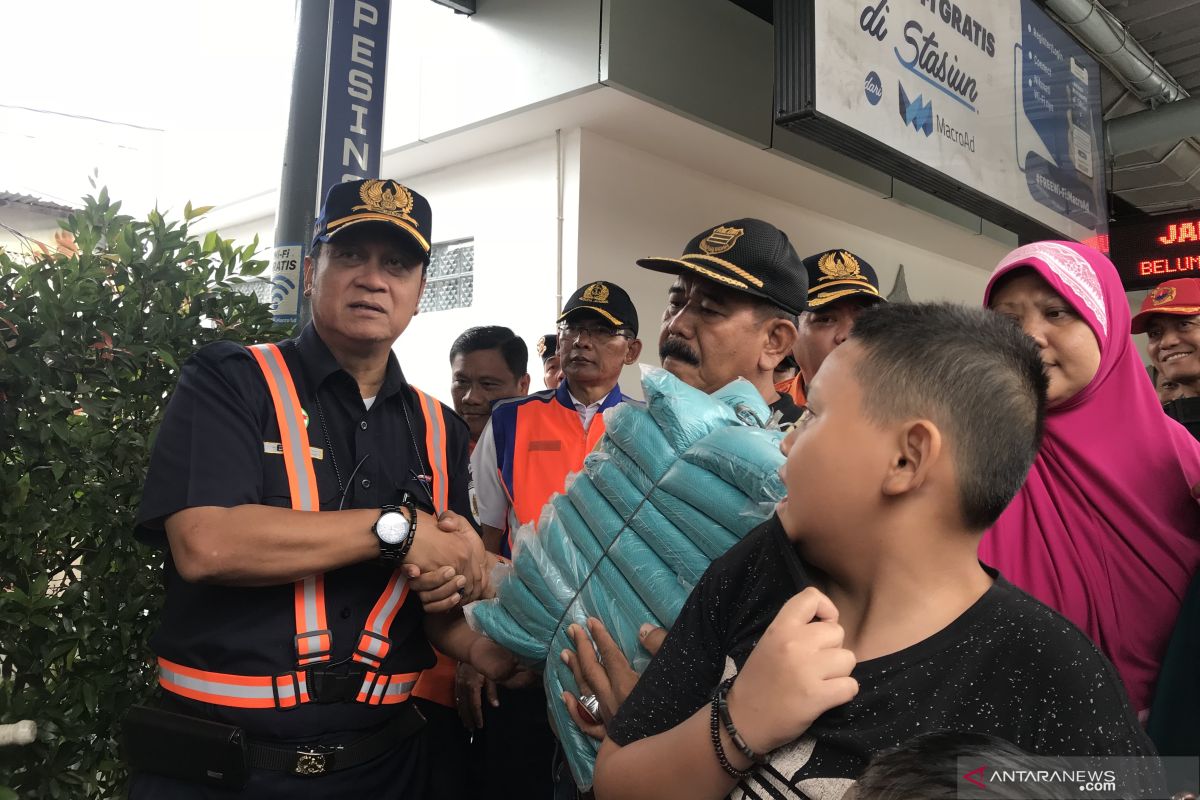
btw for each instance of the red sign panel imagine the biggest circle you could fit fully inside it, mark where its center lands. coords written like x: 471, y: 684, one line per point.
x: 1148, y: 252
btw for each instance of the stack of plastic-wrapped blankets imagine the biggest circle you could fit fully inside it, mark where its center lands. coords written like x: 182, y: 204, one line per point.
x: 671, y: 486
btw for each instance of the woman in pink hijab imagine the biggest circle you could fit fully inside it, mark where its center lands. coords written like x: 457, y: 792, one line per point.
x: 1105, y: 529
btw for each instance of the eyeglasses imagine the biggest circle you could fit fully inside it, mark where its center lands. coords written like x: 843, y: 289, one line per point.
x: 597, y: 333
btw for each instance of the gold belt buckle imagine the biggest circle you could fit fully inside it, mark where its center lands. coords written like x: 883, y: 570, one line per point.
x: 312, y: 761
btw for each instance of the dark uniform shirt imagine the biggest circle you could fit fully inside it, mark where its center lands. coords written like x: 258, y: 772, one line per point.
x: 212, y: 451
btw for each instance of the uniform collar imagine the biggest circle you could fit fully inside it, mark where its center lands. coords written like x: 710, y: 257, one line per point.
x: 320, y: 363
x: 563, y: 395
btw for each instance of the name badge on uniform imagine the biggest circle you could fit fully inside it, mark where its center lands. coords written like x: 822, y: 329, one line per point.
x: 276, y: 449
x: 544, y: 445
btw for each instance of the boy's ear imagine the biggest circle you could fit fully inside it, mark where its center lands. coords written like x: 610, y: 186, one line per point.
x: 919, y: 446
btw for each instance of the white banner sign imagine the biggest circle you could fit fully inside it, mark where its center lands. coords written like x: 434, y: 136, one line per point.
x: 993, y: 95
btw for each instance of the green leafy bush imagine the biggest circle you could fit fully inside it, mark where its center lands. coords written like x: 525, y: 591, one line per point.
x: 92, y: 334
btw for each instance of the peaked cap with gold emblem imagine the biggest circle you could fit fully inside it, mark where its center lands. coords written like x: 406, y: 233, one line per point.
x: 386, y: 203
x: 605, y: 300
x: 547, y: 346
x: 745, y: 255
x: 1179, y: 297
x: 837, y: 274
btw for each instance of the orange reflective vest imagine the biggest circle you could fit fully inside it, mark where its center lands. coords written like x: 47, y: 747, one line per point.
x: 539, y: 441
x: 313, y: 640
x: 793, y: 386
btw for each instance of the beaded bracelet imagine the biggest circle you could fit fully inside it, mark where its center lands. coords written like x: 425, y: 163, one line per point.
x: 733, y: 772
x: 738, y: 742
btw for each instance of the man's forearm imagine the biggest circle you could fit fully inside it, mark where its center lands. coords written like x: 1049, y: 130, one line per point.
x: 256, y: 545
x: 493, y: 538
x: 449, y: 633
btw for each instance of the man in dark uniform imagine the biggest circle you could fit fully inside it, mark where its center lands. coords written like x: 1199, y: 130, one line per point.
x: 731, y: 311
x: 298, y: 629
x: 840, y: 285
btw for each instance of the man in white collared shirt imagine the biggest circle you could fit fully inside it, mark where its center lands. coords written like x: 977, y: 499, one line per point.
x: 523, y: 457
x: 532, y: 443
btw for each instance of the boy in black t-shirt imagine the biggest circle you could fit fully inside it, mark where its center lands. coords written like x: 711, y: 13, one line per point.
x: 859, y: 616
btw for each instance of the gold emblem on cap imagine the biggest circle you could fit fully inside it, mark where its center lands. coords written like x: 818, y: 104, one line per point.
x: 541, y: 346
x: 1164, y: 295
x: 596, y: 293
x: 721, y: 240
x: 396, y: 201
x: 839, y: 265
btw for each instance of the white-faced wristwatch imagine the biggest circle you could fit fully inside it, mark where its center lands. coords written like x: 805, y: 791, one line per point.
x: 395, y: 529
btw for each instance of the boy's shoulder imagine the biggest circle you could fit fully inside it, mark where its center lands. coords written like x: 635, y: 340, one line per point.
x: 1038, y: 633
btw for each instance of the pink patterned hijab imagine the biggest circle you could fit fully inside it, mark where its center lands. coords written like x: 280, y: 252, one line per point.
x: 1105, y: 529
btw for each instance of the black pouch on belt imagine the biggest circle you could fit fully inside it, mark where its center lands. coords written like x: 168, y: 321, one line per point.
x: 183, y: 747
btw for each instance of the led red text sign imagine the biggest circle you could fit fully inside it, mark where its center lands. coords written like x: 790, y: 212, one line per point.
x: 1151, y: 251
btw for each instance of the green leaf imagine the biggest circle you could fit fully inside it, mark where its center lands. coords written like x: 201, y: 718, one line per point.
x: 73, y: 593
x: 190, y: 213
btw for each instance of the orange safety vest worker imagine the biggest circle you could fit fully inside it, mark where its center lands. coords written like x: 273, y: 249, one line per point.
x: 539, y: 439
x: 313, y: 640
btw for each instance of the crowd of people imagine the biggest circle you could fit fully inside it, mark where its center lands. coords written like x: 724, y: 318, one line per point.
x: 988, y: 545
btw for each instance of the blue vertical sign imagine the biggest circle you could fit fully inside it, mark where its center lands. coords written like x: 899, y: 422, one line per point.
x: 1060, y: 96
x: 352, y: 128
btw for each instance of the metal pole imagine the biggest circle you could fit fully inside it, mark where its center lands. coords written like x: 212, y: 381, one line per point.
x: 298, y: 201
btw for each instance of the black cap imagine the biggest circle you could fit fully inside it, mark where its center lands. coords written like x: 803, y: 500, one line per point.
x: 547, y: 346
x: 747, y: 255
x: 606, y: 299
x: 379, y: 201
x: 838, y: 274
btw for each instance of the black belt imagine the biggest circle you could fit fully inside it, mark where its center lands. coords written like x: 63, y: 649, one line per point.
x: 319, y: 759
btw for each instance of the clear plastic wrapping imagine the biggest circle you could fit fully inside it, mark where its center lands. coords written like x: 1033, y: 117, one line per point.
x: 684, y: 415
x: 668, y: 488
x: 681, y: 555
x: 748, y: 458
x: 733, y: 513
x: 634, y: 431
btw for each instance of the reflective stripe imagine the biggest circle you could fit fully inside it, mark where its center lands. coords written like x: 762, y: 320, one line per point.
x: 241, y: 691
x: 373, y: 649
x: 259, y: 691
x: 386, y: 689
x: 435, y: 446
x: 313, y: 641
x: 302, y: 480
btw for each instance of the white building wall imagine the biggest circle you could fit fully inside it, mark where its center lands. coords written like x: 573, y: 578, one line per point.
x: 508, y: 203
x: 633, y: 205
x: 19, y: 223
x: 462, y: 70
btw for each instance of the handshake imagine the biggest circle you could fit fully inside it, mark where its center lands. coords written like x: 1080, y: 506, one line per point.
x: 447, y: 565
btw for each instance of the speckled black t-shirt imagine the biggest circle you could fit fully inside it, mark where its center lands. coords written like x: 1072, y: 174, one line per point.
x: 1009, y: 666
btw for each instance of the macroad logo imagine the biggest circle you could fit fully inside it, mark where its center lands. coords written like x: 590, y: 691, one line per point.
x: 917, y: 112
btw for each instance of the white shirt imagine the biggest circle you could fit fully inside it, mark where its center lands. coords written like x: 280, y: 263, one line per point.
x: 587, y: 412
